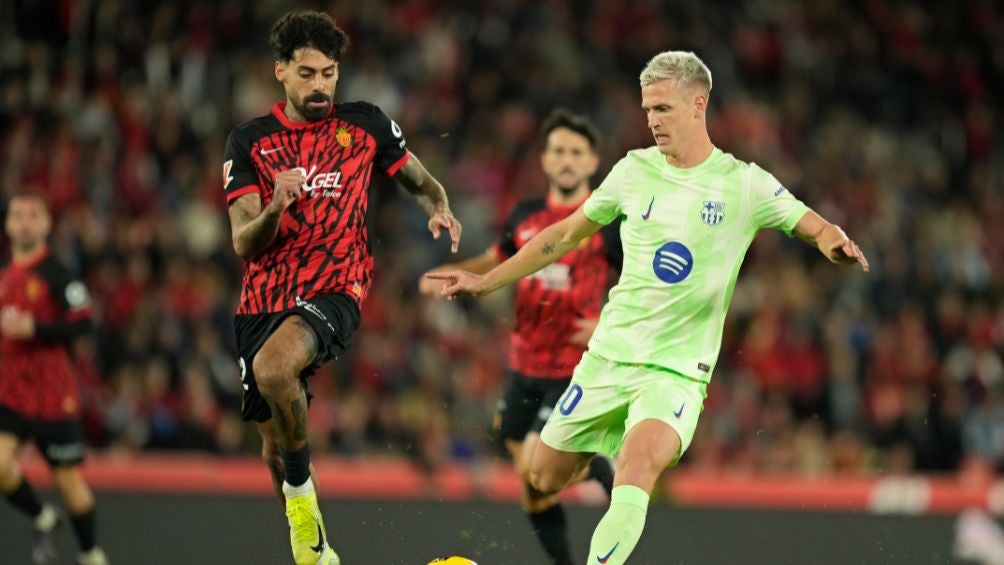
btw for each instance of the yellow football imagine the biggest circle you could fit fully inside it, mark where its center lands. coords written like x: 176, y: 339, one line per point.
x: 452, y: 561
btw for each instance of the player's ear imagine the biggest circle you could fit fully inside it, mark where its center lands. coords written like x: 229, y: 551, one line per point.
x: 280, y: 70
x: 700, y: 105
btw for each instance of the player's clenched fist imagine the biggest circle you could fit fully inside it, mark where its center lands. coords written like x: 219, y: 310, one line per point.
x: 15, y: 323
x: 287, y: 189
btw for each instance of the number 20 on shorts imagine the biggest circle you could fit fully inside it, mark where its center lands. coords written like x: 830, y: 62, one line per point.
x: 570, y: 399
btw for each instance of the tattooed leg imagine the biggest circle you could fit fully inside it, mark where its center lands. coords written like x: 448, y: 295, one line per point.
x: 276, y: 368
x: 273, y: 459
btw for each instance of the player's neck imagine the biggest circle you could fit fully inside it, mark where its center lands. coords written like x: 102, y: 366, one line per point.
x: 558, y: 197
x: 27, y: 254
x: 291, y: 113
x: 692, y: 154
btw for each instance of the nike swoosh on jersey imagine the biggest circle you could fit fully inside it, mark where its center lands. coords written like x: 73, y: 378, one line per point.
x: 270, y: 151
x: 649, y: 211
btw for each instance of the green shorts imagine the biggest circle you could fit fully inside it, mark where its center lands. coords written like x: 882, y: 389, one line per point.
x: 605, y: 399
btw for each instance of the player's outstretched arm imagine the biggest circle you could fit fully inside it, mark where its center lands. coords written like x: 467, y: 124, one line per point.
x: 543, y: 249
x: 479, y: 265
x: 831, y: 241
x: 254, y: 229
x: 431, y: 197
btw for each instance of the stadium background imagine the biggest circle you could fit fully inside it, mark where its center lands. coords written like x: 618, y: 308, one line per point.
x: 881, y: 115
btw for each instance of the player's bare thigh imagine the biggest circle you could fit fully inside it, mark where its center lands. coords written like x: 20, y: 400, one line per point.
x: 650, y: 446
x: 552, y: 470
x: 9, y: 446
x: 286, y: 353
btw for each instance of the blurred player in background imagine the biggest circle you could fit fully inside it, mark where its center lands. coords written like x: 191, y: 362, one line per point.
x: 42, y: 309
x: 689, y: 212
x: 296, y: 181
x: 556, y: 312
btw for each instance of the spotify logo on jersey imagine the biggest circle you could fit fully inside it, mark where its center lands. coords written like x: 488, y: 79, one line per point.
x: 673, y: 262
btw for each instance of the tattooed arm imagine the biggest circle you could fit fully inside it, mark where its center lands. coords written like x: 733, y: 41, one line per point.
x: 431, y: 197
x: 543, y: 249
x: 254, y: 229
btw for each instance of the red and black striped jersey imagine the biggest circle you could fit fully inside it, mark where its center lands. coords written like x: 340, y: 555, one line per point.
x: 322, y: 245
x: 549, y: 301
x: 36, y: 376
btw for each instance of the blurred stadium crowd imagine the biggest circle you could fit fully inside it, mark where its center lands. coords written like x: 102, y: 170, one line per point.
x: 879, y: 114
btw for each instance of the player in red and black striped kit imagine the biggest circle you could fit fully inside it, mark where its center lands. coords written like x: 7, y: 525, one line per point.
x: 556, y: 312
x: 42, y: 309
x: 296, y: 181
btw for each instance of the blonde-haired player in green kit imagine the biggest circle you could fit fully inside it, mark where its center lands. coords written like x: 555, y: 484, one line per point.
x: 689, y: 213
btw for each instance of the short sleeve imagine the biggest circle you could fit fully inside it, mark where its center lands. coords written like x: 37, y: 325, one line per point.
x: 392, y: 152
x: 611, y: 234
x: 238, y: 175
x: 772, y: 205
x: 505, y: 246
x: 67, y: 291
x: 604, y: 204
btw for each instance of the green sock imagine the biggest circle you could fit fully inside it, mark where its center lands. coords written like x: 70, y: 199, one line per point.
x: 618, y: 532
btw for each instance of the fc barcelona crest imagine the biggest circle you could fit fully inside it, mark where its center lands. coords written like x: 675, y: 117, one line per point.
x: 712, y: 213
x: 343, y: 137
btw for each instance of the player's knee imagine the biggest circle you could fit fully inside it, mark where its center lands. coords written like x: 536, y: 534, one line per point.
x: 546, y: 482
x: 522, y: 465
x: 271, y: 374
x: 524, y: 474
x: 530, y: 491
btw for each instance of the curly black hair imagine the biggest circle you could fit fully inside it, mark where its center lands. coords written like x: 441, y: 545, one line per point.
x: 296, y: 30
x: 562, y: 118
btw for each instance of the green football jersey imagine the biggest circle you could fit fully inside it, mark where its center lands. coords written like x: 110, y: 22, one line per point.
x: 685, y: 233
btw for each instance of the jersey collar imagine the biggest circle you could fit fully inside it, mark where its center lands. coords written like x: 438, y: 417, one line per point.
x: 279, y: 112
x: 690, y: 172
x: 553, y: 203
x: 31, y: 261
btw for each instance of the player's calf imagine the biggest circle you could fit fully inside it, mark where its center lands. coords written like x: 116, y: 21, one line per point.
x: 272, y: 457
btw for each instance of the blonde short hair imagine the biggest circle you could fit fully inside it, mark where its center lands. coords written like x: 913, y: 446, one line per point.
x: 684, y: 66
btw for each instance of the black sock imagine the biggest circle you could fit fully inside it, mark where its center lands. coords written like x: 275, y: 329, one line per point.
x: 24, y: 499
x: 83, y: 527
x: 297, y: 466
x: 552, y: 530
x: 600, y: 470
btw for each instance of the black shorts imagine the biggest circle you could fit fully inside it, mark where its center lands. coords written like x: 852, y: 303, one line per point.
x: 333, y: 317
x: 526, y: 404
x: 60, y: 441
